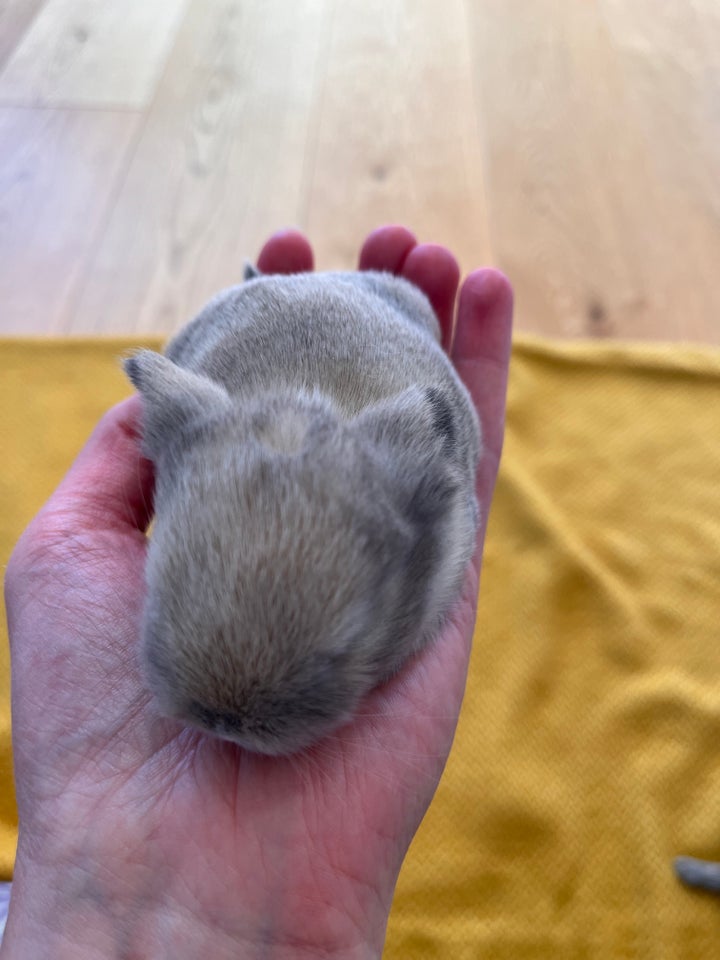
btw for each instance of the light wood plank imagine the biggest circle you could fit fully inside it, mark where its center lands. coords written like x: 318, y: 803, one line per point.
x: 219, y: 165
x: 58, y: 170
x: 91, y: 53
x: 398, y: 139
x: 15, y: 18
x: 603, y: 149
x: 598, y: 150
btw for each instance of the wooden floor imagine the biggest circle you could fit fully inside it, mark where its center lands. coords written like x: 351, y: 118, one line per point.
x: 146, y: 148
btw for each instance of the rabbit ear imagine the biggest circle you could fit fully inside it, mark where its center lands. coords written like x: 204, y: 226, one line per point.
x: 419, y: 420
x: 416, y: 429
x: 250, y: 271
x: 174, y: 397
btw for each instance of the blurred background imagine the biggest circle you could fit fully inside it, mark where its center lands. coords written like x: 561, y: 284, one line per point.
x: 146, y: 148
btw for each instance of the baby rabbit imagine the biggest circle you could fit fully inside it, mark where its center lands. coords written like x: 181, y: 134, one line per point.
x: 315, y: 508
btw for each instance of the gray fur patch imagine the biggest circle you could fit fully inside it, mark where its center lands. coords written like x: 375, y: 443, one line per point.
x: 315, y: 460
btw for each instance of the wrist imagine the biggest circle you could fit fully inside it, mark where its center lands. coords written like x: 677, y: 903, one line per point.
x: 75, y: 913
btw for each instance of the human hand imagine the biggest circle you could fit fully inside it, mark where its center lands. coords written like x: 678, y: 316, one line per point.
x: 139, y: 835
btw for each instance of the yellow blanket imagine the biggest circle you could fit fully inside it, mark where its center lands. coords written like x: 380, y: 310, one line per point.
x: 588, y: 752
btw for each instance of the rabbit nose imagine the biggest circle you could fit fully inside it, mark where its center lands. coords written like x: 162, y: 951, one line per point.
x: 240, y: 725
x: 218, y: 720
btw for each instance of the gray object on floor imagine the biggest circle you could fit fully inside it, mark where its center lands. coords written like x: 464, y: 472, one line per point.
x: 5, y: 890
x: 703, y: 874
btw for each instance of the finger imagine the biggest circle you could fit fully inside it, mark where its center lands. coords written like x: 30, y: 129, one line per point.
x: 287, y: 251
x: 435, y: 270
x: 481, y: 354
x: 386, y: 249
x: 110, y: 484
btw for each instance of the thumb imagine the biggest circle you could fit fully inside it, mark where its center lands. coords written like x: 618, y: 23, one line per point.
x: 110, y: 484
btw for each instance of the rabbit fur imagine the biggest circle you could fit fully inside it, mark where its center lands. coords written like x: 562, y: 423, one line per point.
x: 315, y: 510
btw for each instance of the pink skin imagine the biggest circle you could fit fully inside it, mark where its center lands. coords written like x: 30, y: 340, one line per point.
x: 136, y: 832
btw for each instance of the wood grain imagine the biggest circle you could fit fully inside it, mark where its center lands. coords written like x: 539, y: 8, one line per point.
x: 90, y: 53
x: 576, y: 145
x: 15, y: 18
x: 602, y: 143
x: 58, y: 171
x: 219, y: 165
x: 397, y: 132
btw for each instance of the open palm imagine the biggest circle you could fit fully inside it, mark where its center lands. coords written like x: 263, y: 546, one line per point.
x: 166, y: 836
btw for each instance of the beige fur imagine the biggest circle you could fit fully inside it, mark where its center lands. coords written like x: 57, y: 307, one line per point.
x: 315, y: 455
